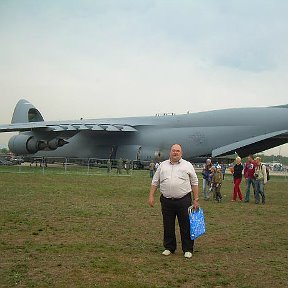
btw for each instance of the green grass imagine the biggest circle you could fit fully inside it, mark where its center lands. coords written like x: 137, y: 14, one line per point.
x: 80, y: 230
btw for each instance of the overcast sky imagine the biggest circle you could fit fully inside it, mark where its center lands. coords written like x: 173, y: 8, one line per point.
x: 110, y: 58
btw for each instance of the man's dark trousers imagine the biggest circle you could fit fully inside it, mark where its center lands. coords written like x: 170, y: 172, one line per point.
x: 170, y: 209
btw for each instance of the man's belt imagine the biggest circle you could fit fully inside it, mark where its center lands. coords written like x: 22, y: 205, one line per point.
x: 174, y: 198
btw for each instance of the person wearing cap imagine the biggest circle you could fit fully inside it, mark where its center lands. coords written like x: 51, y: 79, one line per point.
x: 176, y: 179
x: 216, y: 183
x: 206, y: 173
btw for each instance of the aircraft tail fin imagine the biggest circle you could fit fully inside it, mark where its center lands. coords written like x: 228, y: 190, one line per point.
x: 25, y: 112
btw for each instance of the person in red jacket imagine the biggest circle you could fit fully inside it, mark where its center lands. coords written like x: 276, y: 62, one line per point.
x: 249, y: 171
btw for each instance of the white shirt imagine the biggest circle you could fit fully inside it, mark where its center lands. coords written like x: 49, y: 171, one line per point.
x: 175, y: 180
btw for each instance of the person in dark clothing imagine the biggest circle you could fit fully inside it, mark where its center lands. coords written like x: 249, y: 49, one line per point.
x: 223, y: 170
x: 206, y: 173
x: 237, y: 176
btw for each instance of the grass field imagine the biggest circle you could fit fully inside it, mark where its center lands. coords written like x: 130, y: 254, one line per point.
x: 79, y: 230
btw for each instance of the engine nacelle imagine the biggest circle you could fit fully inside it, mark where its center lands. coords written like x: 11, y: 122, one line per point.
x: 56, y: 143
x: 25, y: 144
x: 147, y: 153
x: 141, y: 153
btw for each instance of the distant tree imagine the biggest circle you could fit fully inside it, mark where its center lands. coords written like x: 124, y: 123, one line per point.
x: 270, y: 158
x: 274, y: 158
x: 4, y: 151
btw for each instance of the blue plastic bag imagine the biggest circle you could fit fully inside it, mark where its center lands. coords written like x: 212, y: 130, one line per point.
x: 197, y: 222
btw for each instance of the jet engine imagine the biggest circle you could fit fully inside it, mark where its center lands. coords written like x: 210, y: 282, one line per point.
x: 24, y: 144
x: 56, y: 143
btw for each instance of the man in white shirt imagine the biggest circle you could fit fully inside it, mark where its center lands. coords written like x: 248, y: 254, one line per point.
x: 176, y: 179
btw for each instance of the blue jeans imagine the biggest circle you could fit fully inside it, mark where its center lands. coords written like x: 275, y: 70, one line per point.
x: 259, y: 185
x: 249, y: 181
x: 206, y: 187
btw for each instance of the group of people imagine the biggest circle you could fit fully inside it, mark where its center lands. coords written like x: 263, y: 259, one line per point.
x: 213, y: 176
x: 126, y: 164
x: 254, y: 172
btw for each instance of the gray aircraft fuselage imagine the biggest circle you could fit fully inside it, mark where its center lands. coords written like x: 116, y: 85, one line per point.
x: 204, y: 134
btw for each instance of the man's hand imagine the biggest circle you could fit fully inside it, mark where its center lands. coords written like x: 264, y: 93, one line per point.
x: 151, y: 200
x: 196, y: 204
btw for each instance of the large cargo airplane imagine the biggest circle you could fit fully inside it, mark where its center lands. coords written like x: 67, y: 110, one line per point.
x: 205, y: 134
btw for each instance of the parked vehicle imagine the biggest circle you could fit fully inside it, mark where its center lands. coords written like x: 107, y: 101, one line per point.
x: 17, y: 160
x: 5, y: 163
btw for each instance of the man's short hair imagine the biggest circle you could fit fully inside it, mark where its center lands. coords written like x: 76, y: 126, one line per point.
x: 176, y: 144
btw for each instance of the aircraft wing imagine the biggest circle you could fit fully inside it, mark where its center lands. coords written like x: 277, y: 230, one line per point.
x: 253, y: 145
x: 63, y: 127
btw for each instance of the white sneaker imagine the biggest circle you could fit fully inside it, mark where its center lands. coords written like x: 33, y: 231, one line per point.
x: 166, y: 253
x: 188, y: 255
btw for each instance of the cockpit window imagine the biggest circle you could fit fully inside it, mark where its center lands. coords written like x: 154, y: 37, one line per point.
x: 34, y: 115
